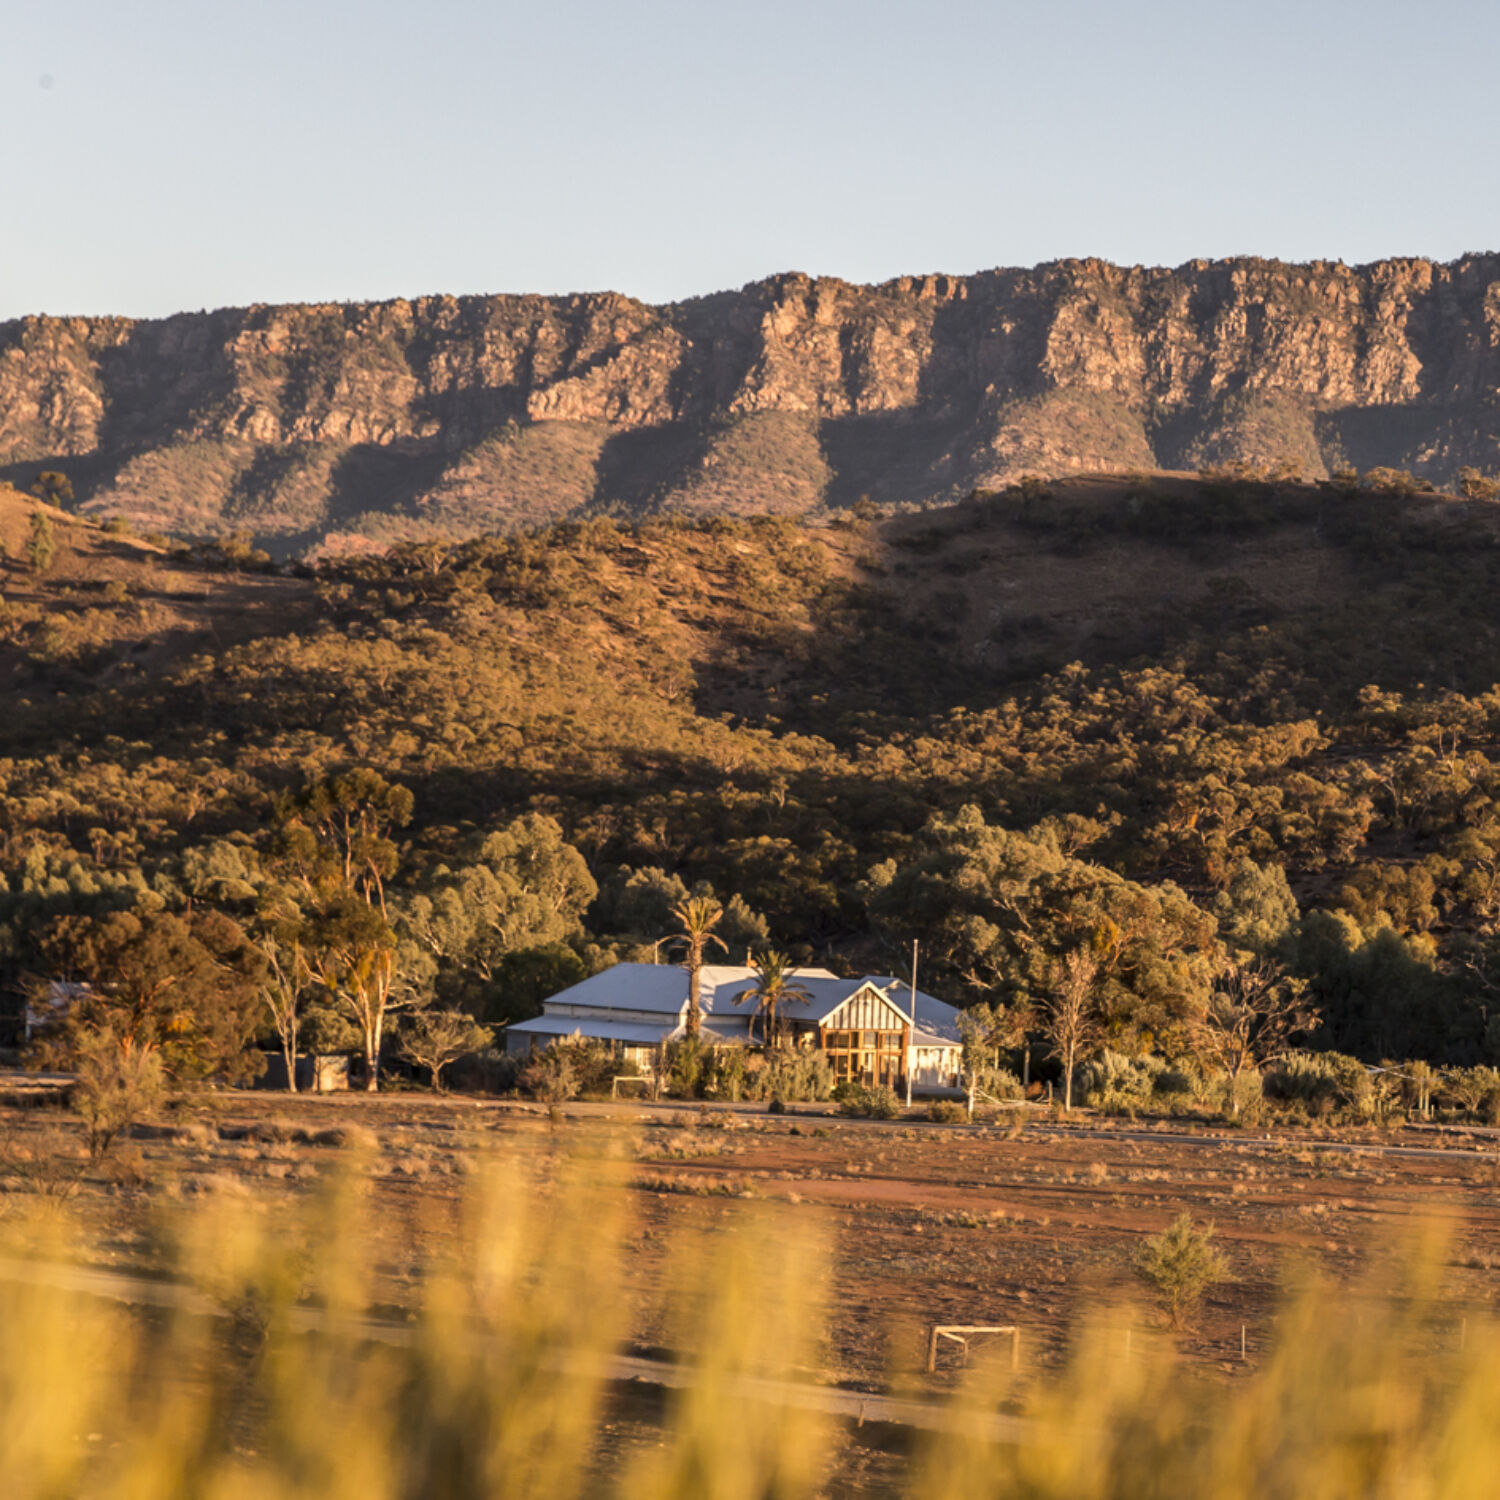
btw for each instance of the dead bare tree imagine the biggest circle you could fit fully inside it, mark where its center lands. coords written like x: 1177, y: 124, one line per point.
x: 1254, y: 1011
x: 1069, y: 1017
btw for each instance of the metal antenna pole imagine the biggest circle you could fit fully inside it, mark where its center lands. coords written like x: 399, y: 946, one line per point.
x: 911, y: 1036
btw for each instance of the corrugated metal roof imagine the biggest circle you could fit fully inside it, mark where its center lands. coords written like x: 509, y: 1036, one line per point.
x: 662, y: 988
x: 930, y: 1039
x: 933, y: 1015
x: 826, y: 995
x: 655, y: 987
x: 632, y: 1034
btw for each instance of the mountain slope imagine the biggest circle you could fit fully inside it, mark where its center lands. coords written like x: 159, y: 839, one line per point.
x: 1203, y: 704
x: 459, y: 416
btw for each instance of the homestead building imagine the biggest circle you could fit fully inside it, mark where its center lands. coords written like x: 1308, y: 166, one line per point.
x: 863, y: 1026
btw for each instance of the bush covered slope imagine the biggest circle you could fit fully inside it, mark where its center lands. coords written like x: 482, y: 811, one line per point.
x: 1166, y: 713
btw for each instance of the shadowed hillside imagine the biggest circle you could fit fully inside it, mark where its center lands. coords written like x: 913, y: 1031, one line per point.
x: 1177, y: 709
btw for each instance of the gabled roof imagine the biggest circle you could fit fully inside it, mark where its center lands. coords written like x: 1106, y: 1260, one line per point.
x: 653, y: 987
x: 664, y: 988
x: 934, y: 1016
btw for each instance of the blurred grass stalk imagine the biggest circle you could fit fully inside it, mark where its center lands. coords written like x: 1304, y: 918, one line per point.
x: 498, y: 1387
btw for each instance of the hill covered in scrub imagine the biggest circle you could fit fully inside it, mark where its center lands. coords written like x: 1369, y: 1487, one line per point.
x: 1161, y: 714
x: 446, y: 418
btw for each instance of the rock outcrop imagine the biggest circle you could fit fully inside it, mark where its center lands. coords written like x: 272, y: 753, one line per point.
x: 451, y: 416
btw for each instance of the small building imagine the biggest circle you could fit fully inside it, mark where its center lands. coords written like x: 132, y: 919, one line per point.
x: 863, y: 1026
x: 317, y: 1072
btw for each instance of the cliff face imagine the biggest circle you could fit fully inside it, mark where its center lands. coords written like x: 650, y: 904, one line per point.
x: 450, y: 416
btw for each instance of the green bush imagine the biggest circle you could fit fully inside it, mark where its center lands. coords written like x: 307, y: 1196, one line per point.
x: 726, y: 1074
x: 790, y: 1074
x: 1181, y: 1264
x: 1118, y: 1084
x: 688, y: 1067
x: 1472, y: 1091
x: 117, y: 1082
x: 550, y: 1074
x: 1323, y: 1083
x: 867, y: 1101
x: 947, y: 1112
x: 999, y: 1084
x: 571, y: 1067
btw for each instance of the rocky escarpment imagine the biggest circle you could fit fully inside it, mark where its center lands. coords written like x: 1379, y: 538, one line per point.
x: 451, y: 416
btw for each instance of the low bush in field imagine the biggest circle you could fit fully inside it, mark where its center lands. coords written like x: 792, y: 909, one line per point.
x: 569, y: 1068
x: 1473, y: 1091
x: 1116, y: 1084
x: 731, y: 1074
x: 1325, y: 1084
x: 792, y: 1076
x: 947, y: 1112
x: 117, y: 1083
x: 1181, y: 1264
x: 867, y: 1101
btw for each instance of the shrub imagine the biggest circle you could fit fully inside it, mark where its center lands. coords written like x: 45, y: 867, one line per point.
x: 867, y: 1101
x: 551, y: 1074
x: 491, y: 1071
x: 1324, y: 1083
x: 789, y: 1074
x: 119, y: 1080
x: 1474, y: 1091
x: 687, y: 1062
x: 1181, y: 1264
x: 947, y: 1112
x: 354, y: 1137
x: 999, y: 1084
x: 1116, y: 1084
x: 1245, y: 1103
x: 41, y: 544
x: 726, y: 1074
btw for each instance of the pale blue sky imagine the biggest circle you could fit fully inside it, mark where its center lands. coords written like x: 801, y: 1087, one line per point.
x: 176, y: 154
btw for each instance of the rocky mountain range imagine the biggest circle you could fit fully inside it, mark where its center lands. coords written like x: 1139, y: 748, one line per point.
x: 356, y: 424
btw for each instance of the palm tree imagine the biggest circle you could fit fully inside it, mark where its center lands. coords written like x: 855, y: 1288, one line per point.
x: 774, y: 987
x: 697, y: 916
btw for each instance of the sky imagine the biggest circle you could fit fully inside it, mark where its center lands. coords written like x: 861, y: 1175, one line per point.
x: 169, y: 155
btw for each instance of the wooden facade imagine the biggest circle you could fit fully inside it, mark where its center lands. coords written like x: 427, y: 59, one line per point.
x: 865, y: 1039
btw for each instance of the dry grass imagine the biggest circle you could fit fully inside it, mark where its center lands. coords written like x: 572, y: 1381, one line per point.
x: 273, y: 1377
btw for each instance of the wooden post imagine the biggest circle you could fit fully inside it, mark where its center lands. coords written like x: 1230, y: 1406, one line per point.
x: 911, y: 1041
x: 1244, y: 1354
x: 959, y: 1333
